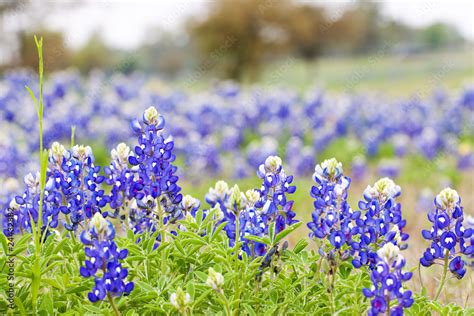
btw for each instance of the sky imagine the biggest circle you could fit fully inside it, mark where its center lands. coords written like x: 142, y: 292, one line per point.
x: 125, y: 24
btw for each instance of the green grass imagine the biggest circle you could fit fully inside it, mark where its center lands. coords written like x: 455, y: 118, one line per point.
x: 388, y: 75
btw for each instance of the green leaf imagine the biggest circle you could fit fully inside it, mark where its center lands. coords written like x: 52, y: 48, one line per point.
x: 345, y: 270
x: 179, y: 246
x: 78, y: 289
x: 202, y: 297
x: 201, y: 275
x: 145, y: 286
x: 249, y: 309
x: 53, y: 283
x: 286, y: 231
x: 4, y: 242
x: 302, y: 244
x: 199, y: 217
x: 20, y: 306
x: 218, y: 231
x: 47, y: 304
x: 191, y: 290
x: 258, y: 239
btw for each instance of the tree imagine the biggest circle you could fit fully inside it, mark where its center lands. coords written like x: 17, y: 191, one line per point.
x: 237, y: 35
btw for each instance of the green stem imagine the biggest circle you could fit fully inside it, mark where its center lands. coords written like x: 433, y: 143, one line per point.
x: 36, y: 229
x: 112, y: 303
x: 331, y: 290
x: 163, y: 235
x: 226, y: 304
x: 445, y: 272
x: 236, y: 259
x: 419, y: 275
x: 237, y: 236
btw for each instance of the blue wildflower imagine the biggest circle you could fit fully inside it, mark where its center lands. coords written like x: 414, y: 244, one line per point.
x: 449, y: 239
x: 379, y: 223
x: 387, y: 278
x: 154, y: 186
x: 103, y: 255
x: 332, y: 217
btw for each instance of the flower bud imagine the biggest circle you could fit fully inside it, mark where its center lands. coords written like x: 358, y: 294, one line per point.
x: 447, y: 199
x: 329, y: 169
x: 32, y: 181
x: 121, y: 153
x: 388, y: 253
x: 383, y: 189
x: 99, y: 223
x: 273, y: 164
x: 236, y: 198
x: 252, y: 197
x: 150, y: 116
x: 189, y: 203
x: 180, y: 300
x: 81, y: 152
x: 57, y: 151
x: 215, y: 280
x: 218, y: 212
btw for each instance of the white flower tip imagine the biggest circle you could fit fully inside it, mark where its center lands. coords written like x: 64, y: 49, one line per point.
x: 447, y: 198
x: 273, y: 163
x: 150, y: 115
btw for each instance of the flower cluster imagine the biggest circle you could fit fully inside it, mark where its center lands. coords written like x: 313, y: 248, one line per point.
x: 103, y: 255
x: 332, y: 216
x: 255, y: 210
x: 73, y: 188
x: 121, y: 178
x: 380, y: 222
x: 26, y: 207
x: 448, y: 232
x: 387, y: 278
x: 154, y: 187
x: 76, y: 184
x: 273, y: 201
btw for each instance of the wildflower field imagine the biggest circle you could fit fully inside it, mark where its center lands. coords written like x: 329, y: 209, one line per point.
x: 117, y: 197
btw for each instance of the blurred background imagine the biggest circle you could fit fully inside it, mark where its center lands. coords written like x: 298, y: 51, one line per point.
x: 244, y: 40
x: 385, y: 87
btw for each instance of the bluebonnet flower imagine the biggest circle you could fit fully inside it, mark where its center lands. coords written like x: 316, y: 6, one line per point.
x: 267, y: 206
x: 75, y: 182
x: 449, y: 239
x: 121, y: 179
x: 155, y: 185
x: 387, y: 278
x: 103, y: 255
x: 230, y: 202
x: 25, y: 207
x: 332, y: 216
x: 273, y: 200
x: 380, y: 222
x: 8, y: 206
x: 255, y: 209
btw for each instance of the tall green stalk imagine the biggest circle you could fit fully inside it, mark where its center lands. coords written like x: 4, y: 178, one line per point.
x: 43, y: 158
